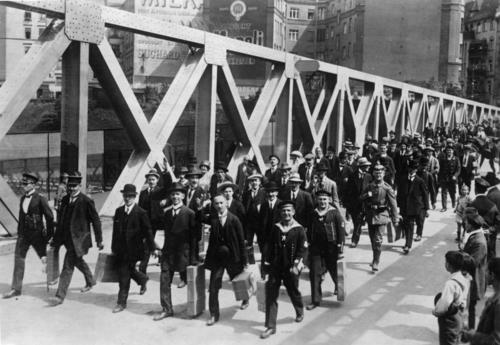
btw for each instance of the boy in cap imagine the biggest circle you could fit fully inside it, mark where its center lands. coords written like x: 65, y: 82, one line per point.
x: 78, y: 212
x: 30, y: 230
x: 131, y: 230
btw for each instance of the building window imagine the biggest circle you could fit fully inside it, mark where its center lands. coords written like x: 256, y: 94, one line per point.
x: 461, y: 24
x: 490, y: 64
x: 345, y: 28
x: 332, y: 32
x: 343, y: 52
x: 321, y: 12
x: 461, y: 50
x: 349, y: 28
x: 349, y: 49
x: 338, y: 17
x: 293, y: 34
x: 337, y: 41
x: 492, y: 25
x: 489, y: 86
x: 293, y: 13
x: 321, y: 35
x: 478, y: 27
x: 492, y: 43
x: 27, y: 33
x: 27, y: 16
x: 310, y: 14
x: 483, y: 27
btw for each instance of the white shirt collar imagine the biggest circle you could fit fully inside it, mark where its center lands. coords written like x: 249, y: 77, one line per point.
x: 30, y: 193
x: 176, y: 207
x: 128, y: 209
x: 74, y: 196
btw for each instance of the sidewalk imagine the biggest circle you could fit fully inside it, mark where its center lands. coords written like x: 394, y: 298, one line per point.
x: 391, y: 307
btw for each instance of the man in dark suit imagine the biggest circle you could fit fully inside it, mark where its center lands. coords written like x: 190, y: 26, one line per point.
x: 283, y: 262
x: 306, y: 171
x: 30, y: 230
x: 468, y: 166
x: 447, y: 176
x: 273, y: 173
x: 326, y: 239
x: 354, y: 187
x: 269, y: 213
x: 230, y: 190
x: 179, y: 247
x: 226, y: 251
x: 151, y: 200
x: 77, y: 214
x: 304, y: 204
x: 413, y: 202
x: 220, y: 176
x: 252, y: 201
x: 131, y: 228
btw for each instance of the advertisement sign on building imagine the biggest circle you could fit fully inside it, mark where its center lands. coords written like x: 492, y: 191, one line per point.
x: 244, y: 20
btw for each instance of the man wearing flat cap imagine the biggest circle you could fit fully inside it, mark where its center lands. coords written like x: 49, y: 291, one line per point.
x: 30, y: 230
x: 324, y: 183
x: 151, y: 200
x: 354, y: 187
x: 380, y: 208
x: 230, y: 191
x: 326, y: 233
x: 273, y: 173
x: 78, y: 213
x: 468, y: 168
x: 131, y: 234
x: 179, y: 247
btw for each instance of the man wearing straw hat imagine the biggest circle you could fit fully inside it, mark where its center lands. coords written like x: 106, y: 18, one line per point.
x: 78, y: 212
x: 30, y: 230
x: 131, y: 229
x: 150, y: 200
x: 303, y: 201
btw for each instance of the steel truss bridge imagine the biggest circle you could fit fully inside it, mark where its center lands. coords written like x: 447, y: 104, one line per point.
x: 78, y: 36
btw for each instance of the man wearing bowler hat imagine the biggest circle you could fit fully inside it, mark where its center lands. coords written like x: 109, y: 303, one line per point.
x: 131, y: 229
x: 30, y: 230
x: 269, y: 212
x: 448, y: 176
x: 73, y: 231
x: 230, y: 190
x: 151, y: 200
x: 354, y: 187
x: 252, y: 201
x: 179, y: 247
x: 413, y: 202
x: 306, y: 170
x: 220, y: 176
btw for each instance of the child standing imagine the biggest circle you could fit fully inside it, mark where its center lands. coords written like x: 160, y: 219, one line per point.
x: 450, y: 303
x: 462, y: 203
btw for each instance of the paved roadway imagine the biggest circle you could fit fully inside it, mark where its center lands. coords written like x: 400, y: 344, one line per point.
x: 391, y: 307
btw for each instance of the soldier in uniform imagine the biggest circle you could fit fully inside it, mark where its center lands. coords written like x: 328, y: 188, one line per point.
x: 30, y: 230
x: 380, y: 208
x: 179, y: 247
x: 326, y: 239
x: 283, y: 261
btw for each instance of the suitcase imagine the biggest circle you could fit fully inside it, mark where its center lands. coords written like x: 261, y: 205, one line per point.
x: 106, y: 270
x: 260, y: 295
x: 52, y: 266
x: 244, y: 286
x: 341, y: 270
x: 390, y: 235
x: 195, y: 290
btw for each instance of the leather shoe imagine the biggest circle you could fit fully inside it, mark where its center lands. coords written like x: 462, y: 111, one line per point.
x: 212, y: 320
x: 267, y: 333
x: 418, y: 238
x: 118, y: 308
x: 312, y: 306
x: 354, y: 245
x: 144, y: 287
x: 406, y: 250
x: 244, y: 305
x: 55, y: 301
x: 87, y: 288
x: 375, y: 267
x: 162, y: 315
x: 181, y: 284
x: 11, y: 293
x: 299, y: 318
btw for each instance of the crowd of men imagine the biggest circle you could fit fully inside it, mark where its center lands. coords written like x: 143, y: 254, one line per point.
x: 294, y: 212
